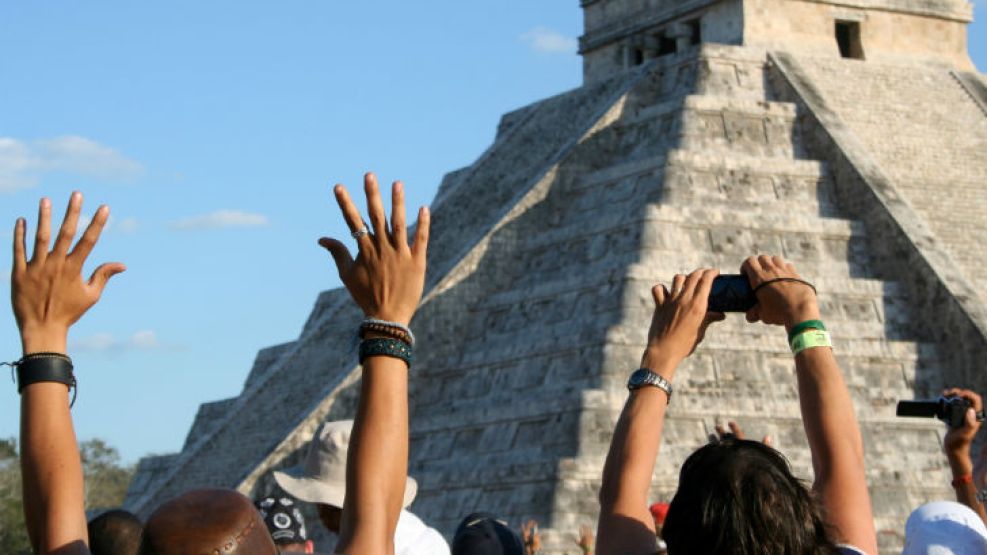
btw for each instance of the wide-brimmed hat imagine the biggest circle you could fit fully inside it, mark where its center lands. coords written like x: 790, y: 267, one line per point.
x: 944, y: 527
x: 322, y: 477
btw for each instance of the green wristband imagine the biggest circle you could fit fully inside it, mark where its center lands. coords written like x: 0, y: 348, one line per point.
x: 811, y: 338
x: 802, y: 326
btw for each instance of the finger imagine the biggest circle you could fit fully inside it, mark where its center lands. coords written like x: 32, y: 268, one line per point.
x: 971, y: 418
x: 420, y: 248
x: 691, y: 282
x: 103, y: 273
x: 67, y: 232
x: 90, y: 236
x: 704, y: 285
x: 766, y: 263
x: 779, y: 262
x: 768, y: 441
x: 754, y: 314
x: 20, y: 249
x: 340, y: 254
x: 735, y: 428
x: 720, y: 430
x: 43, y: 233
x: 352, y: 216
x: 375, y: 206
x: 659, y: 294
x: 398, y: 231
x: 678, y: 283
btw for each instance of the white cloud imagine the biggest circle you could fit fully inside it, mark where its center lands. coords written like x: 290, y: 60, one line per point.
x: 222, y: 218
x: 548, y: 41
x: 142, y: 340
x: 127, y: 225
x: 24, y: 163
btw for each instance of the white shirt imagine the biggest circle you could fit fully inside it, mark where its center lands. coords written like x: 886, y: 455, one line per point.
x: 414, y: 537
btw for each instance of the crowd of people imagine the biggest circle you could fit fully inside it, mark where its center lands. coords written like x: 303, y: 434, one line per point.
x: 735, y: 495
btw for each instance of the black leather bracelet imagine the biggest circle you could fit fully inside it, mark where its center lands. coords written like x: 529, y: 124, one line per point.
x: 46, y: 367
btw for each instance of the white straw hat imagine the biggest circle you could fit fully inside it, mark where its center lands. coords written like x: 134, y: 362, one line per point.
x: 944, y: 528
x: 322, y: 478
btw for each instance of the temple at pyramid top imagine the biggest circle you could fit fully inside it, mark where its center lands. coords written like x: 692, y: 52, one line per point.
x: 621, y: 34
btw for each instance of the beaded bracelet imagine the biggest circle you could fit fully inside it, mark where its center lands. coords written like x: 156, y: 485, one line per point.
x: 393, y: 333
x: 45, y: 367
x: 394, y: 348
x: 395, y: 329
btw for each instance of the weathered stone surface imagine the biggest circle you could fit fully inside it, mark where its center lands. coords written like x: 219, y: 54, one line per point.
x: 544, y: 250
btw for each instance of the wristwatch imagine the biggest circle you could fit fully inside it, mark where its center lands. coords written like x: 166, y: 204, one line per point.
x: 643, y: 377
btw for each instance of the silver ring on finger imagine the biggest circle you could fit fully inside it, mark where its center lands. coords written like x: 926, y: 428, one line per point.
x: 361, y: 232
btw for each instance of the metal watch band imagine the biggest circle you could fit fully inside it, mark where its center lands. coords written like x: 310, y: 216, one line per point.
x: 644, y: 376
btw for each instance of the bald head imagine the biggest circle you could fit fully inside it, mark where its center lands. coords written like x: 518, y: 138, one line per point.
x: 207, y: 522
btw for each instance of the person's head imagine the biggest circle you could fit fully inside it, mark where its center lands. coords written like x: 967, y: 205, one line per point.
x: 285, y: 523
x: 483, y: 534
x: 738, y: 496
x: 944, y: 527
x: 115, y: 532
x: 322, y: 477
x: 207, y: 521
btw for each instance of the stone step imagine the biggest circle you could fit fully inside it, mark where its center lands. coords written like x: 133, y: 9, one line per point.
x: 755, y: 128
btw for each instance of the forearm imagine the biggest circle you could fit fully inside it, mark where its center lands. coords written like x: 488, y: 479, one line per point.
x: 836, y: 445
x: 377, y: 464
x: 961, y: 466
x: 51, y: 469
x: 625, y: 524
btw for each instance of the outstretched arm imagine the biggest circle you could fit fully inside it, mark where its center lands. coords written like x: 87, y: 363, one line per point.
x: 957, y: 444
x: 49, y: 295
x: 827, y: 411
x: 678, y: 325
x: 386, y: 280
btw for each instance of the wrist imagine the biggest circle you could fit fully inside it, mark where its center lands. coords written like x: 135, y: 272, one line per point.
x: 959, y: 464
x: 808, y: 310
x: 49, y: 339
x: 660, y: 362
x: 392, y: 316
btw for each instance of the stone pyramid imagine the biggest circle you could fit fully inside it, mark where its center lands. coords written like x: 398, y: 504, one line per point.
x: 849, y: 137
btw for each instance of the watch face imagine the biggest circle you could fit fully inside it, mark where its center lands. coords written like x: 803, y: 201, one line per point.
x: 639, y: 378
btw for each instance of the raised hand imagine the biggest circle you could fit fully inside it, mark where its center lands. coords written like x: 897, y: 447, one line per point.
x: 787, y: 300
x: 48, y: 292
x: 531, y: 537
x: 734, y: 431
x: 957, y: 441
x: 387, y: 277
x: 585, y: 539
x: 680, y: 320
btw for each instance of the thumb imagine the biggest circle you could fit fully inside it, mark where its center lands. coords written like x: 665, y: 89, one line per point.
x: 103, y: 273
x: 754, y: 314
x: 340, y: 254
x: 971, y: 418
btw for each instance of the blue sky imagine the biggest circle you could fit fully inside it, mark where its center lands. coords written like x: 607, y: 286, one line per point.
x: 215, y: 130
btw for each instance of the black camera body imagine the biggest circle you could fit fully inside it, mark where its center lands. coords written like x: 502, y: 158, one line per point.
x: 731, y: 293
x: 951, y: 410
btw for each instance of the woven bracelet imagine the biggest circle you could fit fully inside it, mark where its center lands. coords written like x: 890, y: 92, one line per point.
x: 394, y: 348
x: 45, y: 367
x: 806, y: 325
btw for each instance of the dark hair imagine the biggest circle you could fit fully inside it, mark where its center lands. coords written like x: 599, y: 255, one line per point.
x: 115, y: 532
x: 738, y: 497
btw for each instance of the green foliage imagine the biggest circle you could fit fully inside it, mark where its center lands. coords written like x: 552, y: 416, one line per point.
x: 13, y: 532
x: 106, y: 484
